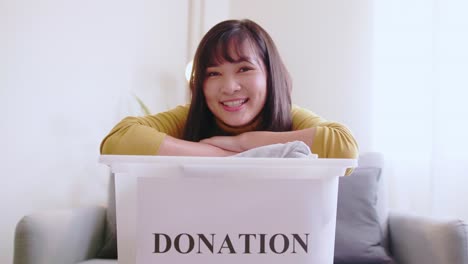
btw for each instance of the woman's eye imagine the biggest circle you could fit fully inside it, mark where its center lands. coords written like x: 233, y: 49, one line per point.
x: 211, y: 74
x: 244, y: 69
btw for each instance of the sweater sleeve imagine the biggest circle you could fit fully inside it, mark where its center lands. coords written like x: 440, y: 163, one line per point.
x: 332, y: 140
x: 144, y: 135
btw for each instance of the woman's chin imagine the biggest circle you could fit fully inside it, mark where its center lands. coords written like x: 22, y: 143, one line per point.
x: 236, y: 124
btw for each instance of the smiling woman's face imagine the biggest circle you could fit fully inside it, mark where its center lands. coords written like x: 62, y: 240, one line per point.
x: 236, y: 91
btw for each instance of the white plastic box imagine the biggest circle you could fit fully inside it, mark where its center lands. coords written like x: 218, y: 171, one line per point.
x: 226, y: 210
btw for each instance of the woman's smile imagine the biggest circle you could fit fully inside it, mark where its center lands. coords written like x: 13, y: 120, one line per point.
x: 234, y: 105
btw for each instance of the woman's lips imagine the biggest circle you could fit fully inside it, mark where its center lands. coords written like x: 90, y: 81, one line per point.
x: 234, y: 105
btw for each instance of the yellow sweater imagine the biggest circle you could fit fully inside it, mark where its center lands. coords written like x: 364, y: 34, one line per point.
x: 144, y: 135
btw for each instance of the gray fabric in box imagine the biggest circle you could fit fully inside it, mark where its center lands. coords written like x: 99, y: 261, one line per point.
x: 358, y: 234
x: 294, y: 149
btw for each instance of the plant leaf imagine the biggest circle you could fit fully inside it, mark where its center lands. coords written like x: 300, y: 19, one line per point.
x: 143, y: 106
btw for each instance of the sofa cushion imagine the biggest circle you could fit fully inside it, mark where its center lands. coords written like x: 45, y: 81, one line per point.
x: 358, y: 233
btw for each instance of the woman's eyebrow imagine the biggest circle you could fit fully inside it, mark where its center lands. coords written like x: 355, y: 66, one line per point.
x: 211, y: 67
x: 248, y: 59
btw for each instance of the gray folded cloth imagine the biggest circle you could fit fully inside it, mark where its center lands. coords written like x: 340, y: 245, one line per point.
x: 294, y: 149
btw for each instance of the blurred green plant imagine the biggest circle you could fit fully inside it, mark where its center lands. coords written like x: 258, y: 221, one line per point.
x: 142, y: 105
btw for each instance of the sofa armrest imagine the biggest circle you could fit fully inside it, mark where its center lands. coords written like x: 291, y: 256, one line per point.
x: 60, y: 236
x: 416, y: 239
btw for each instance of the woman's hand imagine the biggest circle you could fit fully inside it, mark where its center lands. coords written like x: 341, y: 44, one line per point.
x: 229, y: 143
x: 177, y: 147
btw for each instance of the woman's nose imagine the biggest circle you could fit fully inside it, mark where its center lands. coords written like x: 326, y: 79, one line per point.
x: 230, y: 85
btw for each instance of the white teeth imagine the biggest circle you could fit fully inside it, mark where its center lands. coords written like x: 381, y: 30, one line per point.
x: 234, y: 103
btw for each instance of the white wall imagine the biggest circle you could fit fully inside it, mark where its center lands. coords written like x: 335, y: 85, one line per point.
x: 66, y: 71
x: 326, y: 46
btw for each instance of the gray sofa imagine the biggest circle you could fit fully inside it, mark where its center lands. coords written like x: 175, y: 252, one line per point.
x: 76, y: 235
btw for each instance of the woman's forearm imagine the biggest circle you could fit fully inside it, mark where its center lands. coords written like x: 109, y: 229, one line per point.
x: 171, y: 146
x: 255, y: 139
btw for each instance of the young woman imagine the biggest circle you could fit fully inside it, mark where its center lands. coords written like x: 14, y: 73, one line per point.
x: 241, y: 99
